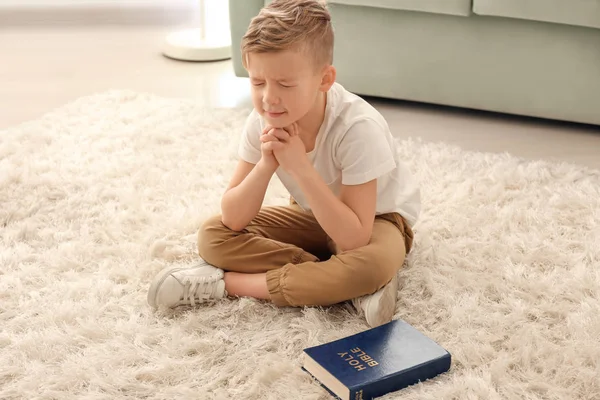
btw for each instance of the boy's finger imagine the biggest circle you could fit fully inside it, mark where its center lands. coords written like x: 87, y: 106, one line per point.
x: 268, y: 138
x: 292, y: 130
x: 276, y: 145
x: 273, y: 146
x: 281, y: 134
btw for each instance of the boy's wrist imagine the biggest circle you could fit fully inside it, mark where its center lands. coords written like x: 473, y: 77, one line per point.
x: 307, y: 172
x: 264, y: 168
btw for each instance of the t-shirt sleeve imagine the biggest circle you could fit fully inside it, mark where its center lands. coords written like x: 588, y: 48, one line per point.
x: 249, y: 147
x: 365, y: 153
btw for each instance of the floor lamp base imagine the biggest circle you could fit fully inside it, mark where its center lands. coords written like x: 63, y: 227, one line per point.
x: 189, y: 45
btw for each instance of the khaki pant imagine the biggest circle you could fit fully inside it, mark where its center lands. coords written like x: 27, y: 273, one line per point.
x: 302, y: 263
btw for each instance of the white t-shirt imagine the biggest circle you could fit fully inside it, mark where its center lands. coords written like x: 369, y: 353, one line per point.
x: 354, y: 146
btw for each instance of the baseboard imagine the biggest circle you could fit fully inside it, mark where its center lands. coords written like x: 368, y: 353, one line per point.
x: 58, y: 13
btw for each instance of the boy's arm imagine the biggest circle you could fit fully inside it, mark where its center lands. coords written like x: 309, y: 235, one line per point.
x: 245, y: 193
x: 348, y: 220
x: 244, y: 196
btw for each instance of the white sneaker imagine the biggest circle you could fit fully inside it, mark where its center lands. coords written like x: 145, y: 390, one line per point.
x: 379, y: 307
x: 181, y: 286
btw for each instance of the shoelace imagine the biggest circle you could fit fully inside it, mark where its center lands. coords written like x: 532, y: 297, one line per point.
x: 191, y: 286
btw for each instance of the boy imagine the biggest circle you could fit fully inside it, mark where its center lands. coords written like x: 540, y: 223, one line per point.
x: 347, y: 229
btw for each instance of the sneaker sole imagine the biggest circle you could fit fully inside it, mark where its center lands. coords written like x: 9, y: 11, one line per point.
x: 384, y: 312
x: 157, y: 282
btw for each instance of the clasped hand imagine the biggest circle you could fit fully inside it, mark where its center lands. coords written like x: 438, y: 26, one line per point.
x: 283, y: 147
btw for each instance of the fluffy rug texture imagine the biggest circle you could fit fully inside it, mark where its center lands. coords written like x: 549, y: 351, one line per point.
x: 97, y: 196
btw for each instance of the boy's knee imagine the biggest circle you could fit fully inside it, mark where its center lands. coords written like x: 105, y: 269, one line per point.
x: 211, y: 235
x: 378, y: 272
x: 378, y: 276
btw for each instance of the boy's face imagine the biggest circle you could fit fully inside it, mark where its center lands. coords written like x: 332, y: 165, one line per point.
x: 285, y: 85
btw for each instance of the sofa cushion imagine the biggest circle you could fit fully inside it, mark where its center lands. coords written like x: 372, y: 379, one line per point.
x: 453, y: 7
x: 569, y: 12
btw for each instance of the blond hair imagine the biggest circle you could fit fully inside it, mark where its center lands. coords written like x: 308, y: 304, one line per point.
x: 291, y: 25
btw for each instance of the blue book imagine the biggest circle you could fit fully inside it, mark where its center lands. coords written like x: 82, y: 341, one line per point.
x: 375, y: 362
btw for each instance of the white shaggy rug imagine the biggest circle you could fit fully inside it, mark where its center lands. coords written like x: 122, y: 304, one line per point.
x: 99, y: 195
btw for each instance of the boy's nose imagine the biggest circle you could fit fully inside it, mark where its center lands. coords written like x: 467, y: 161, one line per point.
x: 270, y: 98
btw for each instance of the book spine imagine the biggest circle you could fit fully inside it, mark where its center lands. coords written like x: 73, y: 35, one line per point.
x: 401, y: 380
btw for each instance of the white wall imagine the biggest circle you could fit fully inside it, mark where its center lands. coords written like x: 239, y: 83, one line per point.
x: 40, y: 3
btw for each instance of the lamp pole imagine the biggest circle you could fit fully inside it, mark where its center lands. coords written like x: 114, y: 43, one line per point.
x: 199, y: 44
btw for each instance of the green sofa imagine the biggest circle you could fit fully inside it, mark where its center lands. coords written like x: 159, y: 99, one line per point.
x: 537, y: 58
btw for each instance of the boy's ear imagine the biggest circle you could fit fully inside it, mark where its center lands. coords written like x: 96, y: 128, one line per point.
x: 328, y: 78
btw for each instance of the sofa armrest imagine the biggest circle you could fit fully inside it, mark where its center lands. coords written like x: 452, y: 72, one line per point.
x: 241, y: 13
